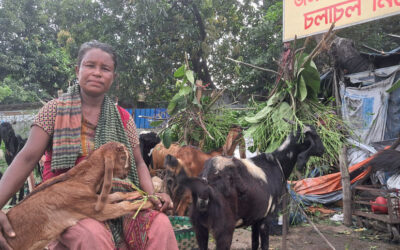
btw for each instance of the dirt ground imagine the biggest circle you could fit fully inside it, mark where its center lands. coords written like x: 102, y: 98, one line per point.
x: 304, y: 237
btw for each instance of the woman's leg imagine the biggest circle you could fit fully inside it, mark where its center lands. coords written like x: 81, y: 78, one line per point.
x: 86, y: 234
x: 161, y: 234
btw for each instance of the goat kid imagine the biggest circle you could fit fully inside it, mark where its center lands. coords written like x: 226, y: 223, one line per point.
x: 190, y: 162
x: 64, y: 200
x: 234, y: 192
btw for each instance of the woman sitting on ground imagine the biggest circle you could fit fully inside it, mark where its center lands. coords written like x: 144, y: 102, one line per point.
x: 67, y: 129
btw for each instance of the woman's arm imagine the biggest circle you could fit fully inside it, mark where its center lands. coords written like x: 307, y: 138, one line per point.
x: 147, y: 184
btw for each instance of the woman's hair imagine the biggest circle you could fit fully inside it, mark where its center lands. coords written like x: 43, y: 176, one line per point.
x: 94, y: 44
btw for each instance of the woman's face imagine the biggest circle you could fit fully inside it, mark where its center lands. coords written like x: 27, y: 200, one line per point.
x: 96, y: 72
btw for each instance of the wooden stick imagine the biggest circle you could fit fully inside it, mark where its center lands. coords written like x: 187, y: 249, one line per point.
x: 393, y: 35
x: 253, y: 66
x: 374, y: 50
x: 313, y: 225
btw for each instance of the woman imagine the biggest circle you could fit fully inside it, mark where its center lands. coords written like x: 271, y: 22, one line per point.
x: 67, y: 130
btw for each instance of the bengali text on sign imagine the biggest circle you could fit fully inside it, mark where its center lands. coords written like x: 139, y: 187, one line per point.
x: 303, y: 18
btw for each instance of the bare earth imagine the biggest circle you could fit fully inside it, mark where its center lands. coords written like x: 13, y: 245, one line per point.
x: 304, y: 237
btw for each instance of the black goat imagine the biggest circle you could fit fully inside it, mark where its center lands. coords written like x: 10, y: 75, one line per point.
x: 148, y: 140
x: 232, y: 192
x: 13, y: 144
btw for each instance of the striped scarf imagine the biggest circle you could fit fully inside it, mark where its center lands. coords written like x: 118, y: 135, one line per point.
x: 67, y: 131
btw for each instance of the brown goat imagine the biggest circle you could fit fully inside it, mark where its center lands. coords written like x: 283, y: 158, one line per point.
x: 158, y: 156
x: 233, y: 138
x: 65, y: 199
x: 191, y: 162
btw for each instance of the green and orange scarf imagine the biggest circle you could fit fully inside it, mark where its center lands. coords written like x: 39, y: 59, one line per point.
x: 67, y: 131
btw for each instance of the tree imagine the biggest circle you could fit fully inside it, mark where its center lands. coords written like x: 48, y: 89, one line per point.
x: 39, y: 40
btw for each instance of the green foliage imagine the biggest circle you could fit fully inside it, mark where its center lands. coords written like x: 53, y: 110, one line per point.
x: 295, y: 99
x: 40, y: 40
x: 4, y: 92
x: 194, y: 121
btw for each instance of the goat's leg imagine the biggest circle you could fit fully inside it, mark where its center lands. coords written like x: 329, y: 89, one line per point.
x: 201, y: 236
x: 264, y: 234
x: 119, y: 196
x: 115, y: 210
x: 14, y: 200
x: 224, y: 238
x: 18, y: 197
x: 21, y: 193
x: 255, y: 234
x: 184, y: 203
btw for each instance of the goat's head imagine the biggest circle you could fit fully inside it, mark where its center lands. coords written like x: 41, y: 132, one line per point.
x: 310, y: 145
x: 117, y: 159
x: 148, y: 140
x: 201, y: 192
x: 116, y: 164
x: 172, y: 168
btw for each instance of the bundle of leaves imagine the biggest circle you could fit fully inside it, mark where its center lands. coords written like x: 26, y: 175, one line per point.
x: 295, y: 98
x: 194, y: 117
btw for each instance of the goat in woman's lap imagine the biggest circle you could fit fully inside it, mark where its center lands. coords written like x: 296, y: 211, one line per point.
x: 64, y: 200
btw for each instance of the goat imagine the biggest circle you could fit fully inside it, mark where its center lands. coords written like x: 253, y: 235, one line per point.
x: 158, y: 155
x: 148, y: 140
x: 231, y: 192
x: 13, y: 144
x: 160, y: 152
x: 386, y: 160
x: 191, y: 162
x: 62, y: 201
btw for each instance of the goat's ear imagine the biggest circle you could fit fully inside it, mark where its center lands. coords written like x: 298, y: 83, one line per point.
x: 109, y: 160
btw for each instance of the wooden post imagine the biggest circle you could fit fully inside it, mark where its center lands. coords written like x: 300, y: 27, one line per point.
x: 345, y: 187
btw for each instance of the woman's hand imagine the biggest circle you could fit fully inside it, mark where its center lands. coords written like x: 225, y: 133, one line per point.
x: 162, y: 202
x: 5, y: 228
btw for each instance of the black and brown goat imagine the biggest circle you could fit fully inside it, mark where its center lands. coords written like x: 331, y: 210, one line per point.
x: 191, y: 163
x: 232, y: 192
